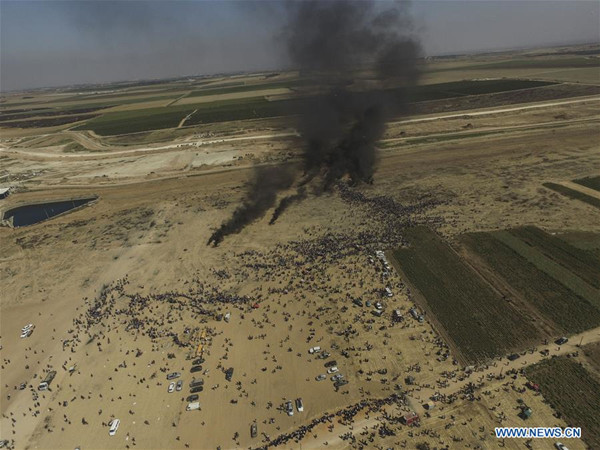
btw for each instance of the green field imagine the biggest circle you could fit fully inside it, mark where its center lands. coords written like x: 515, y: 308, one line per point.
x: 573, y: 194
x: 570, y: 312
x: 474, y: 316
x: 584, y: 240
x: 258, y: 108
x: 571, y: 391
x: 551, y: 63
x: 582, y: 263
x: 590, y: 182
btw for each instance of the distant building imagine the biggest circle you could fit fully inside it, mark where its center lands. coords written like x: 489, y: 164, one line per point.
x: 4, y: 192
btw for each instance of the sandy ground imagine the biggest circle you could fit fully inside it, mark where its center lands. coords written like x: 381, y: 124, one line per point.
x: 146, y: 239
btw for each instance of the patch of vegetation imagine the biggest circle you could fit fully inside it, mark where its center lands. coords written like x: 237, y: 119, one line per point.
x: 570, y: 312
x: 476, y: 318
x: 571, y: 193
x: 572, y: 392
x: 590, y: 182
x: 49, y: 122
x: 551, y: 268
x: 582, y: 263
x: 556, y: 63
x: 585, y: 240
x: 257, y: 108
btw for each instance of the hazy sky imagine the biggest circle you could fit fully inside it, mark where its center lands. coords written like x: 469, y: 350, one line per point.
x: 49, y: 43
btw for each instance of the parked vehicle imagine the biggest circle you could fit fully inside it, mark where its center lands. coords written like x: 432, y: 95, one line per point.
x: 229, y: 374
x: 340, y: 383
x: 114, y: 426
x: 192, y: 398
x: 196, y: 389
x: 193, y: 406
x: 171, y: 387
x: 337, y: 376
x: 289, y: 408
x: 196, y: 382
x: 330, y: 363
x: 45, y: 384
x: 299, y: 405
x: 27, y: 327
x: 561, y: 341
x: 253, y: 430
x: 513, y: 356
x: 179, y: 386
x: 314, y: 350
x: 324, y: 355
x: 333, y: 369
x: 196, y: 369
x: 321, y: 377
x: 198, y: 361
x: 173, y: 375
x: 26, y: 333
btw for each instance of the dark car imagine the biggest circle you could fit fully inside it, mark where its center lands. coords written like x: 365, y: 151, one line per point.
x: 196, y: 382
x: 198, y: 361
x: 561, y: 341
x: 195, y: 389
x: 179, y: 385
x: 340, y: 383
x: 192, y: 398
x: 330, y: 363
x: 253, y: 430
x: 513, y: 356
x: 229, y: 374
x: 196, y: 369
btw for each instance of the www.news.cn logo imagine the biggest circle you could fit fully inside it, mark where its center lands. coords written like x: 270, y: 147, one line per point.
x: 538, y: 432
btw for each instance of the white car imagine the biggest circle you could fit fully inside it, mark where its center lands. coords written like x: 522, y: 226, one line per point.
x: 171, y: 387
x: 289, y: 408
x: 314, y: 350
x: 333, y: 369
x: 299, y: 405
x: 321, y: 377
x: 114, y: 426
x: 26, y: 327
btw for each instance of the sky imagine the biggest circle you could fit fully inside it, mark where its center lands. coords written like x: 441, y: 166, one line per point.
x: 57, y: 43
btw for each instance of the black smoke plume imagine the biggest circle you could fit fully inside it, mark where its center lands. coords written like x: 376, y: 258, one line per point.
x: 261, y: 195
x: 285, y: 202
x: 362, y: 59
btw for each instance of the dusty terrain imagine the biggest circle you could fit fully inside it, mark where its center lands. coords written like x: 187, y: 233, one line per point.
x: 121, y: 286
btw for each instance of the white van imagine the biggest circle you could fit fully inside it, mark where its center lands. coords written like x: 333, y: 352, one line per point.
x: 314, y: 350
x: 193, y: 406
x: 114, y: 426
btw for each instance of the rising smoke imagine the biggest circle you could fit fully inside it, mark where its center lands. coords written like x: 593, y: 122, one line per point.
x: 362, y: 58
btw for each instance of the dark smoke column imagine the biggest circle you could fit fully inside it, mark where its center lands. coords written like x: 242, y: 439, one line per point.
x: 332, y: 41
x: 362, y: 59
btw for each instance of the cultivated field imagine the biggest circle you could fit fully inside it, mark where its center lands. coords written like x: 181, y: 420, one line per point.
x: 573, y: 392
x: 450, y: 287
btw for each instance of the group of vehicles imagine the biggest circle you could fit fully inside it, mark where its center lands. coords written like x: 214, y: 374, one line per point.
x: 289, y: 407
x: 27, y: 330
x: 332, y: 369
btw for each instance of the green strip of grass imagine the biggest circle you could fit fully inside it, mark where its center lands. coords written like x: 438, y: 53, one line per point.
x: 570, y: 312
x: 590, y: 182
x: 476, y: 318
x: 573, y: 392
x: 550, y: 267
x: 573, y: 194
x: 582, y: 263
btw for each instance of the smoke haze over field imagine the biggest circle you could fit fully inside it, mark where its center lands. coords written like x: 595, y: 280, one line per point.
x: 339, y: 128
x: 56, y: 43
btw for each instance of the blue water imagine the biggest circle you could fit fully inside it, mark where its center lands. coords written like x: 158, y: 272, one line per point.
x: 31, y: 214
